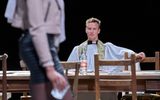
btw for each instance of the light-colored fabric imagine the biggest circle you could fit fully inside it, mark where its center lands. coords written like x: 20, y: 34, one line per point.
x: 82, y: 49
x: 10, y: 10
x: 111, y: 52
x: 40, y: 17
x: 116, y: 52
x: 61, y: 37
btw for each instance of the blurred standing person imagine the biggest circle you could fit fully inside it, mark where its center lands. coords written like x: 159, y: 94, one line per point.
x: 43, y: 24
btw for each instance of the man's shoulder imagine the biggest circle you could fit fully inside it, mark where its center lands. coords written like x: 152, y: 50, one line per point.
x: 79, y: 45
x: 83, y: 43
x: 75, y: 47
x: 108, y: 43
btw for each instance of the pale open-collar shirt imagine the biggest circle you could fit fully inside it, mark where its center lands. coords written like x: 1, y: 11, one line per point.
x: 111, y: 52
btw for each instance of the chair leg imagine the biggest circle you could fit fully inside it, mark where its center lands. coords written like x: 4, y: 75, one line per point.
x: 119, y: 95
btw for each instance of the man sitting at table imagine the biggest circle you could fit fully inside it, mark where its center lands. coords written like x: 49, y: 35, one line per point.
x: 107, y: 51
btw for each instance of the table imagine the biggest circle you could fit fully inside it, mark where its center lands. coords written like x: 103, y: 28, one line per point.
x: 18, y: 81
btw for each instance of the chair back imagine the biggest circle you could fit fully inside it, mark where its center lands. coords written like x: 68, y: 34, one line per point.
x: 3, y: 58
x: 155, y: 60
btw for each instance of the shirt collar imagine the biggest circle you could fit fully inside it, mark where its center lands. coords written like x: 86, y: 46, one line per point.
x: 92, y: 42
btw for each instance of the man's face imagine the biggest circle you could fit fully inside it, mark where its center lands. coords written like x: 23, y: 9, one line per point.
x: 92, y: 30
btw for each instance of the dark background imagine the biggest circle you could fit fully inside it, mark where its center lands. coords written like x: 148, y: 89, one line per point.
x: 126, y: 23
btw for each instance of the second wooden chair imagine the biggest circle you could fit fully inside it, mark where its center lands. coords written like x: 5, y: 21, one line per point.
x: 101, y: 81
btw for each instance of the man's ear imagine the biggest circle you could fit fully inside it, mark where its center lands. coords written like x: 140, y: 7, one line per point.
x: 99, y: 31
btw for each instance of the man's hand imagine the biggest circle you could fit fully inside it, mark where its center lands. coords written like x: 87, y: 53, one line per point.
x: 140, y: 56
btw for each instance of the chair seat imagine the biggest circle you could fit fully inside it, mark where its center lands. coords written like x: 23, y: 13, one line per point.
x: 142, y: 97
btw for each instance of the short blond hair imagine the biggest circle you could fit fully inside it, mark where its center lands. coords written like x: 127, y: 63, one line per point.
x: 93, y: 20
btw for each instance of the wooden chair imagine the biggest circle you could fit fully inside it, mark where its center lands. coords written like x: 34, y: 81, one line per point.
x: 155, y: 60
x: 130, y: 81
x: 76, y: 66
x: 4, y: 78
x: 67, y: 66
